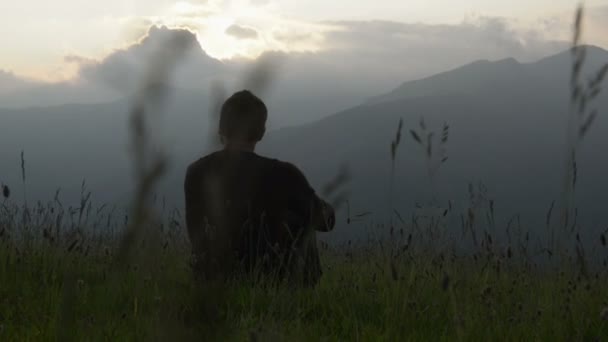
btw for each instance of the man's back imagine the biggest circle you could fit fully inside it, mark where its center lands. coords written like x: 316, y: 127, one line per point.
x: 248, y: 212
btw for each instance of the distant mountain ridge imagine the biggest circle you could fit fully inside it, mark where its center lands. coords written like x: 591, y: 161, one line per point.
x: 507, y: 125
x: 479, y: 76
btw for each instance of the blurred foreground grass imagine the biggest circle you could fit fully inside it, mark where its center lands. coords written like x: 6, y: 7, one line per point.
x: 50, y: 293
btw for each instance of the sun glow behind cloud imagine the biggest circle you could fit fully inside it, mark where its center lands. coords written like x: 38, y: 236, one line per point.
x: 42, y: 34
x: 215, y: 19
x: 38, y: 48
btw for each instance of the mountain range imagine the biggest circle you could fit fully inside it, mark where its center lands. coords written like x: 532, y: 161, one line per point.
x: 507, y: 129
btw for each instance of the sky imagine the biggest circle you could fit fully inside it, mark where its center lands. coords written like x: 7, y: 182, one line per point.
x: 39, y: 34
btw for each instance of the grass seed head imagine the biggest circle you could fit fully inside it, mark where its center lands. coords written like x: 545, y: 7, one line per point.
x: 6, y: 192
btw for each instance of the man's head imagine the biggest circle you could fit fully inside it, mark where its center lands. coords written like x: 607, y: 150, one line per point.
x: 243, y: 119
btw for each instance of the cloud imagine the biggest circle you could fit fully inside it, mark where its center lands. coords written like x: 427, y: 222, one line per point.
x: 241, y: 32
x: 124, y: 69
x: 360, y: 59
x: 195, y: 9
x: 352, y: 61
x: 424, y: 48
x: 79, y: 60
x: 9, y: 82
x: 596, y: 31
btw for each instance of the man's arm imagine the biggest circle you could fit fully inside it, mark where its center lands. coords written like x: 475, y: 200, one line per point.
x: 324, y: 217
x: 319, y: 213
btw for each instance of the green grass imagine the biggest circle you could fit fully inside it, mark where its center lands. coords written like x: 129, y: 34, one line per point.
x: 48, y: 293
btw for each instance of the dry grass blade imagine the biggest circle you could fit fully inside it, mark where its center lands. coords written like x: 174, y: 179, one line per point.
x: 415, y: 136
x: 332, y: 188
x: 262, y: 75
x: 580, y: 119
x: 23, y: 166
x: 422, y: 124
x: 395, y: 143
x: 149, y: 164
x: 23, y: 179
x: 6, y: 191
x: 587, y: 124
x: 578, y: 23
x: 217, y: 97
x: 445, y: 133
x: 341, y: 178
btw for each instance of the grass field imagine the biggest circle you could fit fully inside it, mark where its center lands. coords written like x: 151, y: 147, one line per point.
x: 57, y: 284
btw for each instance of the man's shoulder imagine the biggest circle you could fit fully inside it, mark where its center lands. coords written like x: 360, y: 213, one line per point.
x: 286, y: 172
x: 288, y: 168
x: 217, y: 158
x: 279, y: 166
x: 203, y: 163
x: 275, y: 168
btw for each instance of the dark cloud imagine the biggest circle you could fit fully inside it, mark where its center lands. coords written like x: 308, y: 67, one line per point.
x: 241, y: 32
x: 421, y: 48
x: 382, y: 53
x: 10, y: 82
x: 124, y: 69
x: 362, y: 58
x: 358, y: 60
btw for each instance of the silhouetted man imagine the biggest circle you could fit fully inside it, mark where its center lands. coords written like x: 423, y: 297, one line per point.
x: 248, y: 214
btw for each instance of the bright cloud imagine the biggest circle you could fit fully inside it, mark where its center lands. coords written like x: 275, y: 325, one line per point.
x: 228, y: 29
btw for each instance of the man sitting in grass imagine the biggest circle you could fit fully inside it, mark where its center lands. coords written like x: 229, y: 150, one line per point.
x: 251, y: 215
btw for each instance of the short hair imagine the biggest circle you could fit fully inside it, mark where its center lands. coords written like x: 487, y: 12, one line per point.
x: 243, y: 116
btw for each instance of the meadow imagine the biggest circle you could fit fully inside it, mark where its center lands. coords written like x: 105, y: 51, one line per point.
x: 88, y: 273
x: 59, y: 283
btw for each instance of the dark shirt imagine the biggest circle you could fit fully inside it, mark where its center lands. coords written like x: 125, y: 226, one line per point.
x: 252, y: 213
